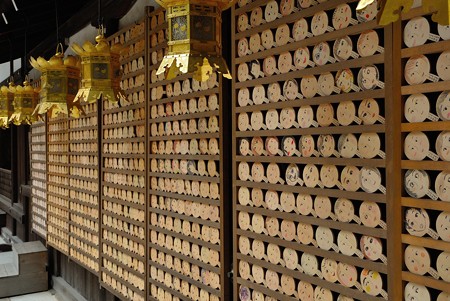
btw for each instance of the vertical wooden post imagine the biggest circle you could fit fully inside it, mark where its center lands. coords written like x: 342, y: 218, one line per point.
x: 393, y: 159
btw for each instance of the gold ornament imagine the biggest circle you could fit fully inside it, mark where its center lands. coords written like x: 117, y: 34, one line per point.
x: 391, y: 10
x: 25, y: 101
x: 60, y: 81
x: 100, y: 70
x: 440, y: 10
x: 6, y: 105
x: 194, y: 38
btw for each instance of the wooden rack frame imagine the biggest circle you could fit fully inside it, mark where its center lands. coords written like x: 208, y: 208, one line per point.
x: 58, y: 213
x: 38, y: 149
x: 148, y: 220
x: 192, y: 284
x: 84, y: 194
x: 123, y: 210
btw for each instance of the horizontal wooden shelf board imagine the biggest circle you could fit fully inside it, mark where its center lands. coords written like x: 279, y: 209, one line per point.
x: 426, y: 126
x: 297, y: 103
x: 122, y: 249
x: 358, y: 195
x: 292, y: 46
x: 426, y: 87
x: 184, y: 177
x: 184, y: 116
x: 303, y: 13
x: 310, y: 220
x: 426, y: 204
x: 440, y: 285
x: 426, y: 49
x: 355, y: 63
x: 376, y: 128
x: 353, y: 260
x: 183, y: 157
x: 426, y: 242
x: 197, y: 220
x: 170, y: 290
x: 314, y: 160
x: 183, y: 197
x: 185, y: 258
x: 194, y: 94
x: 185, y: 136
x: 426, y: 165
x: 186, y: 278
x: 190, y: 239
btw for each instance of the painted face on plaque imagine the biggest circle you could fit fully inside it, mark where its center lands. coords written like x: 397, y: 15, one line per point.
x: 416, y: 32
x: 417, y: 260
x: 417, y: 70
x: 368, y: 43
x: 416, y: 292
x: 443, y: 106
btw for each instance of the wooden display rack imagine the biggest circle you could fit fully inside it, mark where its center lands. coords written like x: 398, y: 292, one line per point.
x: 38, y: 146
x: 123, y: 227
x: 84, y: 189
x: 425, y: 276
x: 273, y: 181
x: 323, y: 188
x: 58, y: 184
x: 188, y: 238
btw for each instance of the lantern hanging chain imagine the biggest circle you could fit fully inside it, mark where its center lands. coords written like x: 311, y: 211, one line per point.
x: 100, y: 18
x: 24, y: 67
x: 57, y: 21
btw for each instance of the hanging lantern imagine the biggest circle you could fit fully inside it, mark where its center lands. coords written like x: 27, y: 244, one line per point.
x: 194, y: 38
x: 6, y: 105
x: 100, y: 70
x: 60, y: 81
x: 25, y: 101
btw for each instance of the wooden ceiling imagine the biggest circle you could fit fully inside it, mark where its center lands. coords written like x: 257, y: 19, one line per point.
x: 33, y: 25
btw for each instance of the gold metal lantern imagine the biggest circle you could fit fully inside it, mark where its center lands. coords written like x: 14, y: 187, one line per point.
x: 100, y: 70
x: 6, y: 105
x: 194, y: 38
x: 25, y: 101
x: 60, y: 81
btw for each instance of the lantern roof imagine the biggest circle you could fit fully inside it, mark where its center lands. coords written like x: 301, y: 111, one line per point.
x: 55, y: 62
x: 102, y: 47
